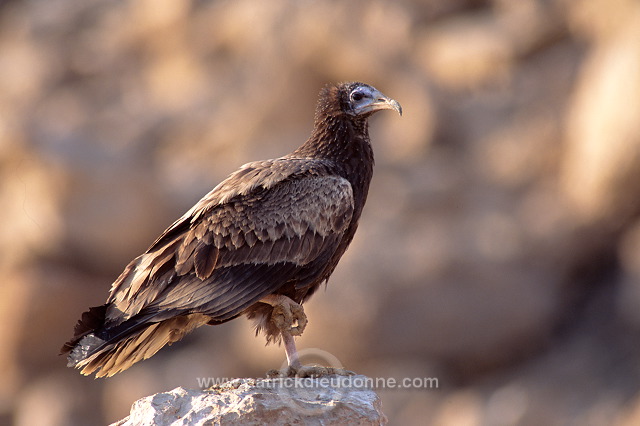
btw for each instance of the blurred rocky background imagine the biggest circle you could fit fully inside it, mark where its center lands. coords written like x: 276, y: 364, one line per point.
x: 500, y: 248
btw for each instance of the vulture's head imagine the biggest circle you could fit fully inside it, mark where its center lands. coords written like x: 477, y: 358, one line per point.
x: 360, y: 99
x: 357, y: 100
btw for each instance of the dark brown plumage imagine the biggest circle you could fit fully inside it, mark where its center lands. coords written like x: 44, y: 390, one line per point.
x: 258, y: 244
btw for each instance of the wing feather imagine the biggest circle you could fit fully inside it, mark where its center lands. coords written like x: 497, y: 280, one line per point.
x: 205, y: 260
x: 246, y: 238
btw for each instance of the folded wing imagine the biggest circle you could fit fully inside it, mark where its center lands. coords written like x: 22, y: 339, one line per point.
x: 269, y: 224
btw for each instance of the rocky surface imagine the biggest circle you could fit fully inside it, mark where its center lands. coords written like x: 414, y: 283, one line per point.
x: 498, y: 250
x: 330, y: 400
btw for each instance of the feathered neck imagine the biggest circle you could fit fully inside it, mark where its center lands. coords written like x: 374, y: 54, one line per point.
x: 342, y: 139
x: 336, y: 135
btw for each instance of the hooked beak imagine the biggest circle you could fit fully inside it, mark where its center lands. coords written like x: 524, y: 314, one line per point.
x: 384, y: 102
x: 379, y: 102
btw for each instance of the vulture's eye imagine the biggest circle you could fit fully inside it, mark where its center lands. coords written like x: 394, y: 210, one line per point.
x: 357, y: 96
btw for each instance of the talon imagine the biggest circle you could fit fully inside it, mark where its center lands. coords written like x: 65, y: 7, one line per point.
x: 274, y: 374
x: 311, y: 371
x: 315, y: 371
x: 300, y: 317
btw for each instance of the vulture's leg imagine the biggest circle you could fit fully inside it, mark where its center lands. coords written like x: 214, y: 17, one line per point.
x: 285, y: 314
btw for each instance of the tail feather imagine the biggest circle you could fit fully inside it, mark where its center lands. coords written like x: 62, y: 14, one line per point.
x: 105, y: 350
x: 90, y: 321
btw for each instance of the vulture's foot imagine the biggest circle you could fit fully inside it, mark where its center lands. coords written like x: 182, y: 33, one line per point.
x: 311, y: 371
x: 287, y: 315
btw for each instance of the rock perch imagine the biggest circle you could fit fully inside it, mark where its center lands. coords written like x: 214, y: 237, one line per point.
x: 328, y: 400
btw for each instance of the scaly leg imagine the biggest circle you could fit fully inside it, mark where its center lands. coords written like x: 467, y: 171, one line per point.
x: 290, y: 349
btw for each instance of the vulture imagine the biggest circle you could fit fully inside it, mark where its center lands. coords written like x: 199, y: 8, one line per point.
x: 259, y: 244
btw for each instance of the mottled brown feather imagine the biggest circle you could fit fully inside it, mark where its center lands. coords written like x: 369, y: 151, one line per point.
x: 273, y: 226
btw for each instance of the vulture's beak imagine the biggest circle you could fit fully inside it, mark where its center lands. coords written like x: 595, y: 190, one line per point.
x: 379, y: 102
x: 384, y: 102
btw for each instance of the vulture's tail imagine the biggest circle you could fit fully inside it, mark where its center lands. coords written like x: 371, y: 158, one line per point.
x: 107, y: 350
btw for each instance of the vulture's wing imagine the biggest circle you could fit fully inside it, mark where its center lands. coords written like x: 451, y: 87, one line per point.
x: 266, y: 224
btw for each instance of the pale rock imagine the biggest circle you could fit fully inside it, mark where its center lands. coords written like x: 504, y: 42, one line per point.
x: 327, y: 400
